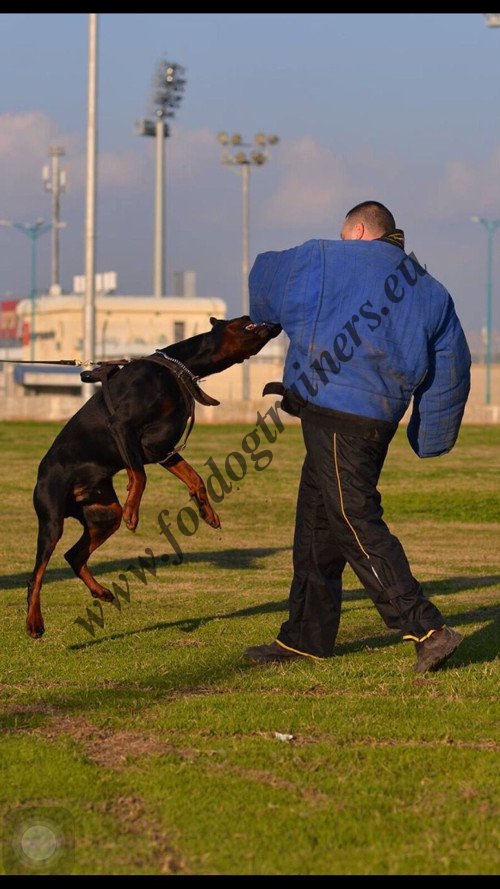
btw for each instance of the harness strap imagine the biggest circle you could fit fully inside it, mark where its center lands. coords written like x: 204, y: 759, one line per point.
x: 187, y: 382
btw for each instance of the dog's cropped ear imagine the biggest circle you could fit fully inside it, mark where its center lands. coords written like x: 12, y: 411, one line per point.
x: 213, y: 320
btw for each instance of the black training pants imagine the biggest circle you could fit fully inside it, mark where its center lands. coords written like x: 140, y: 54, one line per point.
x: 339, y: 520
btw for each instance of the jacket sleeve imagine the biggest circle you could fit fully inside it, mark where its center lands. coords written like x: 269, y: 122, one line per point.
x: 439, y: 402
x: 267, y: 284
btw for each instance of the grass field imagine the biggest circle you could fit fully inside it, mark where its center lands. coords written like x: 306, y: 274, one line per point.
x: 153, y: 746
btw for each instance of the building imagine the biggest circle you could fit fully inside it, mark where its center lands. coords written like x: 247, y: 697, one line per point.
x: 126, y: 327
x: 11, y: 333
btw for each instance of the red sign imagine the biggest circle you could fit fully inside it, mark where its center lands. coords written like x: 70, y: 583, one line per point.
x: 9, y: 322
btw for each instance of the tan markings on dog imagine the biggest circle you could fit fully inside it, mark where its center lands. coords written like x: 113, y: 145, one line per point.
x: 196, y: 487
x: 135, y: 488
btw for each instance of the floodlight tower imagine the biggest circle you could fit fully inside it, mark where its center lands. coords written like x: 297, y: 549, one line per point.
x: 169, y: 84
x: 235, y: 156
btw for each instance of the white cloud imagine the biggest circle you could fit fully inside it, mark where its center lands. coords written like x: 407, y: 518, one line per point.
x: 318, y: 186
x: 24, y: 144
x: 302, y: 193
x: 192, y: 153
x: 464, y: 188
x: 314, y: 184
x: 122, y: 169
x: 25, y: 136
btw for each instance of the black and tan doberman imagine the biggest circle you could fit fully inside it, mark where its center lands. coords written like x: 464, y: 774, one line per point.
x: 139, y: 419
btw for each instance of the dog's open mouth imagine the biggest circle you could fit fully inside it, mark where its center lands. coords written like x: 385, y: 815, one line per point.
x: 262, y: 325
x: 253, y: 326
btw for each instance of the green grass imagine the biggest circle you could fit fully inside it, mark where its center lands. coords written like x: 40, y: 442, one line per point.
x: 154, y: 745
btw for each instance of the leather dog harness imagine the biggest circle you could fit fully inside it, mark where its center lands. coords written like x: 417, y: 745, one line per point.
x: 187, y: 382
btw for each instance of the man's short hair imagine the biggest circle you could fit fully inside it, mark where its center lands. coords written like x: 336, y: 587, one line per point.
x: 374, y: 215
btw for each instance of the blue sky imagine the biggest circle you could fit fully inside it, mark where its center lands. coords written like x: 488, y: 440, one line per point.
x: 400, y: 108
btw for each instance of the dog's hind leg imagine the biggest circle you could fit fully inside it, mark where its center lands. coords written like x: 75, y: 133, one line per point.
x: 50, y: 526
x: 100, y: 518
x: 196, y: 487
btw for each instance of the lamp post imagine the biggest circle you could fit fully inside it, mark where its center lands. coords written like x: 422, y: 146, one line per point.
x: 33, y: 231
x: 167, y: 96
x: 234, y: 155
x: 90, y: 237
x: 490, y: 225
x: 54, y: 180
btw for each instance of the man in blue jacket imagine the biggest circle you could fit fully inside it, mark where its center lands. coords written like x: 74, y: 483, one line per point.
x: 369, y: 329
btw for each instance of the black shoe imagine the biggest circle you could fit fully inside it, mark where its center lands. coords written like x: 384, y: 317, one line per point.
x: 434, y: 651
x: 274, y: 653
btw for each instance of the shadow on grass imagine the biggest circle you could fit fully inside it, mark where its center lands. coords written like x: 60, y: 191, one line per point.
x: 239, y: 559
x: 479, y: 647
x: 200, y: 678
x: 188, y: 624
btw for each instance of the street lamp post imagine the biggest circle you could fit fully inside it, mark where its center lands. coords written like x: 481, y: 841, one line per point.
x: 490, y: 225
x: 167, y: 96
x: 33, y: 231
x: 235, y: 156
x: 88, y: 319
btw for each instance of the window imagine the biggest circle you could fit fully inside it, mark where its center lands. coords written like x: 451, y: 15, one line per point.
x: 179, y: 331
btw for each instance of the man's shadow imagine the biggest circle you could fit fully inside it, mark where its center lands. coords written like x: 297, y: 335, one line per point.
x: 477, y: 647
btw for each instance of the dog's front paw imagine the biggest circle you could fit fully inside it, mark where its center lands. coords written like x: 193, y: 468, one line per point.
x: 205, y: 508
x: 213, y: 519
x: 131, y: 517
x: 103, y: 594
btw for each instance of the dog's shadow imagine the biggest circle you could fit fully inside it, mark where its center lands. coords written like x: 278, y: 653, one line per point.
x: 237, y: 559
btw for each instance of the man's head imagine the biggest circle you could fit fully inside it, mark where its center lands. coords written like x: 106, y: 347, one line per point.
x: 367, y: 221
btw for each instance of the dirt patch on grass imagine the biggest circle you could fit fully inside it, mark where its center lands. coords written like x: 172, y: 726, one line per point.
x: 29, y: 709
x: 114, y: 749
x: 307, y: 794
x: 133, y: 820
x: 196, y: 692
x: 107, y: 748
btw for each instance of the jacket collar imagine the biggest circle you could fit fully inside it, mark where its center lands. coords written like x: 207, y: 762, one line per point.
x: 396, y: 237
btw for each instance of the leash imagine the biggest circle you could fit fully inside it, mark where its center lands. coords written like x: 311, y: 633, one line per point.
x: 102, y: 371
x: 68, y: 362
